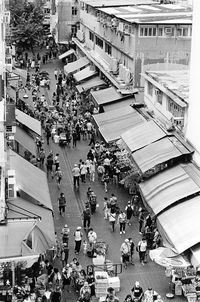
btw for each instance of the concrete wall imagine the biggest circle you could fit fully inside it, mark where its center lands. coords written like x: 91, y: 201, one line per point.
x: 136, y: 52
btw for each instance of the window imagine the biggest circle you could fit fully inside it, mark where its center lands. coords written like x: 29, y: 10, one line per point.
x: 183, y: 32
x: 99, y: 42
x: 73, y: 30
x: 176, y: 110
x: 74, y: 10
x: 159, y: 95
x: 108, y: 49
x: 150, y: 88
x: 148, y: 31
x: 91, y: 36
x: 160, y: 31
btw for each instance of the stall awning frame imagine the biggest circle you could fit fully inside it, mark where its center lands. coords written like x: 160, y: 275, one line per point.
x: 76, y: 65
x: 84, y: 74
x: 28, y: 121
x: 66, y: 54
x: 90, y: 83
x: 25, y: 140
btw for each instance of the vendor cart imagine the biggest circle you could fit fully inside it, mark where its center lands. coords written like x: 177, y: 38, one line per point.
x: 62, y: 139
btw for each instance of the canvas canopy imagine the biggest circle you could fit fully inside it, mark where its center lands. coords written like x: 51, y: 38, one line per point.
x: 31, y: 180
x: 22, y: 137
x: 28, y: 121
x: 120, y: 104
x: 142, y: 135
x: 157, y: 153
x: 24, y: 209
x: 167, y: 187
x: 179, y: 225
x: 113, y: 123
x: 91, y: 83
x: 66, y: 54
x: 76, y: 65
x: 107, y: 95
x: 84, y: 74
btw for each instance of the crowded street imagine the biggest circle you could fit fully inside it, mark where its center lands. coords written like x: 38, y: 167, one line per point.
x: 148, y: 275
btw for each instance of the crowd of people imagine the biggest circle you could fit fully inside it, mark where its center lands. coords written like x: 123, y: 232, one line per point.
x: 63, y: 116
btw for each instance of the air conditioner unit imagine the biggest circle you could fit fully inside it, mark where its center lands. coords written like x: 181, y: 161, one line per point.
x: 157, y: 92
x: 121, y: 27
x: 12, y: 188
x: 114, y: 23
x: 98, y: 17
x: 10, y: 129
x: 168, y: 30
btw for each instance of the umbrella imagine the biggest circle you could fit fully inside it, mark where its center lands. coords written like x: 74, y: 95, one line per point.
x: 44, y: 72
x: 167, y: 257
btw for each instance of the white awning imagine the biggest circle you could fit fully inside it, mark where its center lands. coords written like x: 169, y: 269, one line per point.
x: 84, y: 74
x: 105, y: 96
x: 179, y: 226
x: 66, y: 54
x: 31, y: 180
x: 76, y: 65
x: 24, y: 139
x: 91, y: 83
x: 28, y: 121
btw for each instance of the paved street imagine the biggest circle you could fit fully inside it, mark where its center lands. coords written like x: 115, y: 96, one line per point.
x: 150, y: 274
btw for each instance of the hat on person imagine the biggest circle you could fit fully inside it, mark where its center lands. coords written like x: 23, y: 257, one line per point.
x: 129, y: 202
x: 137, y: 283
x: 75, y: 165
x: 85, y: 283
x: 126, y: 240
x: 78, y: 228
x: 66, y: 225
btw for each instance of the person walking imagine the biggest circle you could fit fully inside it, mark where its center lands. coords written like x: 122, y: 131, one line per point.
x: 137, y: 292
x: 125, y: 252
x: 56, y: 161
x: 64, y: 254
x: 78, y: 239
x: 93, y: 202
x: 122, y: 222
x: 76, y: 175
x: 55, y: 73
x: 129, y: 212
x: 106, y: 180
x: 92, y: 171
x: 61, y: 203
x: 49, y: 164
x: 141, y: 221
x: 132, y: 247
x: 83, y: 171
x: 65, y: 234
x: 58, y: 175
x: 92, y: 236
x: 86, y: 217
x: 142, y: 249
x: 112, y: 220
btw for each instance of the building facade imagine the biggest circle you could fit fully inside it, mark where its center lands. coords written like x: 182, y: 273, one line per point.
x: 128, y: 39
x: 65, y: 16
x: 166, y: 95
x: 3, y: 159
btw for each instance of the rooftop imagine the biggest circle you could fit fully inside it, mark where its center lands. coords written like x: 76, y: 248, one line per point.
x: 154, y: 13
x: 177, y: 81
x: 115, y: 3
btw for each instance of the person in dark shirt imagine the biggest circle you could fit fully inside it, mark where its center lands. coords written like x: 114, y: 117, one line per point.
x: 56, y: 295
x: 137, y: 292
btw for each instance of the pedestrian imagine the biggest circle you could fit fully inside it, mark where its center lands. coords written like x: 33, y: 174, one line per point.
x: 78, y: 238
x: 106, y: 180
x: 105, y: 208
x: 66, y: 277
x: 141, y: 221
x: 85, y: 246
x: 142, y: 249
x: 76, y: 175
x: 56, y: 161
x: 86, y: 217
x: 92, y: 236
x: 49, y: 164
x: 112, y: 220
x: 92, y: 171
x: 125, y: 252
x: 55, y: 73
x: 128, y: 298
x: 48, y: 134
x: 132, y: 247
x: 93, y: 202
x: 65, y: 234
x: 61, y: 203
x: 58, y: 175
x: 122, y: 222
x: 85, y: 293
x: 74, y: 138
x: 48, y: 83
x: 55, y: 295
x: 129, y: 212
x: 64, y: 254
x: 42, y: 156
x: 83, y: 171
x: 137, y: 292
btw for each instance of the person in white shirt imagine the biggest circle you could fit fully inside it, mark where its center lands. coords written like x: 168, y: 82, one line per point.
x: 78, y: 238
x: 142, y: 249
x: 125, y: 252
x: 106, y: 164
x: 92, y: 171
x: 76, y: 175
x: 89, y: 129
x: 92, y: 236
x: 83, y: 169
